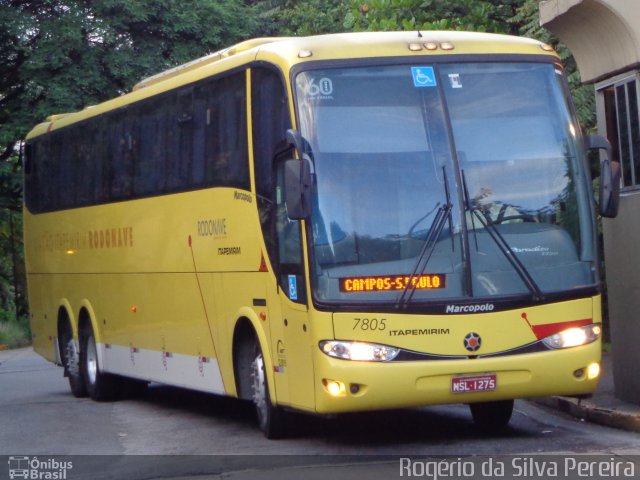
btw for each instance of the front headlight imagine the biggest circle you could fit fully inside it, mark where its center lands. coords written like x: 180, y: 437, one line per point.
x: 359, y: 351
x: 574, y: 337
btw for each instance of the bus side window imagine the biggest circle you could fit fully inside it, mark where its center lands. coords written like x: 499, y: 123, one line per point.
x: 149, y: 178
x: 197, y: 172
x: 227, y: 162
x: 124, y: 143
x: 85, y: 150
x: 179, y: 165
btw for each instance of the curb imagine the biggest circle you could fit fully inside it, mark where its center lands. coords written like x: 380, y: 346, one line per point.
x: 585, y: 410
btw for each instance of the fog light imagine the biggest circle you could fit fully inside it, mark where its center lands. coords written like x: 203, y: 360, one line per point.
x: 593, y: 371
x: 334, y: 387
x: 579, y: 373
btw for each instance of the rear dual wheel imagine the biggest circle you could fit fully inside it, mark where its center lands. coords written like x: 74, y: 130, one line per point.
x: 100, y: 386
x: 72, y: 370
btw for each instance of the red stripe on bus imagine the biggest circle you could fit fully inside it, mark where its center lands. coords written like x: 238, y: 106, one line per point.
x: 542, y: 331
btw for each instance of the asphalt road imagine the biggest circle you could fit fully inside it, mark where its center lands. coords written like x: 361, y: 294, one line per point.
x: 169, y: 433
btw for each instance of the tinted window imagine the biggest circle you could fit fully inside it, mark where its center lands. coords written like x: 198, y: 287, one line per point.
x: 192, y: 138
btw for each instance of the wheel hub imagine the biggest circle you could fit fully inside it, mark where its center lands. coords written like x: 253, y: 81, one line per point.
x: 259, y: 392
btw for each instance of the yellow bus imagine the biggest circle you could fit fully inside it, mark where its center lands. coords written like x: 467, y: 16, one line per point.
x: 327, y: 224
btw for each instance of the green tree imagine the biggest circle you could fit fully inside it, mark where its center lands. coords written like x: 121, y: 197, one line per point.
x: 472, y: 15
x: 13, y: 300
x: 300, y: 18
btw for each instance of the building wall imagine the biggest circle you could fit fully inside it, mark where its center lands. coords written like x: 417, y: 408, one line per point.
x: 603, y: 35
x: 622, y: 256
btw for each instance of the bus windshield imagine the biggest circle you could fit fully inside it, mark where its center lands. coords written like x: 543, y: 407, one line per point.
x: 445, y: 181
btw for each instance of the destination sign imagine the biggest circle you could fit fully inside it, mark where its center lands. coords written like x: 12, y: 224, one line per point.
x: 383, y: 283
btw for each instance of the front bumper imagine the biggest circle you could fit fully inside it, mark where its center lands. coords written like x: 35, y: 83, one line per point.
x: 379, y: 386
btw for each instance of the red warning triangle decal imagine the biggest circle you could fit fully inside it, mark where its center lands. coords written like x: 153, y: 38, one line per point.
x: 263, y: 264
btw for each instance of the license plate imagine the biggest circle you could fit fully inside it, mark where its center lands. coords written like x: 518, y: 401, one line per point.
x: 474, y: 383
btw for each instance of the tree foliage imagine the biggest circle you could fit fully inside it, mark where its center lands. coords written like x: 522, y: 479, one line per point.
x: 300, y: 18
x: 472, y: 15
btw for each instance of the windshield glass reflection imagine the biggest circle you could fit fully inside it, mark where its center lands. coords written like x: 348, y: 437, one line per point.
x: 386, y: 163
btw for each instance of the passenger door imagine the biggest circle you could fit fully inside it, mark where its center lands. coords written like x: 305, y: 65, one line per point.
x: 296, y: 347
x: 289, y: 327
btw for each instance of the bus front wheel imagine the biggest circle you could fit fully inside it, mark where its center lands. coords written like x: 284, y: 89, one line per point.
x: 492, y: 416
x: 271, y: 419
x: 100, y: 386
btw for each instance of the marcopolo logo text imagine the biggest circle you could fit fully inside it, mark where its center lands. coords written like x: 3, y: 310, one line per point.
x: 474, y: 308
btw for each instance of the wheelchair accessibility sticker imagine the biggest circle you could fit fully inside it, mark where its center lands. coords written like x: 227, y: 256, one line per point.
x: 293, y: 287
x: 423, y: 76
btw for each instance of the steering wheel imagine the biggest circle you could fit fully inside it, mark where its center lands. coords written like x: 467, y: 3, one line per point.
x: 525, y: 217
x: 420, y: 220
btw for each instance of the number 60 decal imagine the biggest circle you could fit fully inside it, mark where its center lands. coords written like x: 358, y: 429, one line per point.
x: 323, y: 87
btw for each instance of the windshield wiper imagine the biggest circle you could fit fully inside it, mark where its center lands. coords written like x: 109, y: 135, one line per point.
x: 442, y: 216
x: 502, y: 244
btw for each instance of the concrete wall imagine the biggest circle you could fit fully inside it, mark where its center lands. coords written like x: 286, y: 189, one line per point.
x: 622, y: 256
x: 603, y: 35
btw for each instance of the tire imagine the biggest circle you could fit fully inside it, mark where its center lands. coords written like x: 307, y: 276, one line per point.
x: 272, y: 420
x: 492, y: 416
x: 72, y: 370
x: 100, y: 386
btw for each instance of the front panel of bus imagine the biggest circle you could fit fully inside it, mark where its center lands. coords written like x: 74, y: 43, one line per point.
x: 451, y: 236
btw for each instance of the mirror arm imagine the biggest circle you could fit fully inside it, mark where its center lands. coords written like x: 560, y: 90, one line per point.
x: 294, y: 138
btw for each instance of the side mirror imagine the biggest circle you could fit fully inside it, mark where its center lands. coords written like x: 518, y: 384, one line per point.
x: 609, y: 177
x: 297, y: 187
x: 297, y: 179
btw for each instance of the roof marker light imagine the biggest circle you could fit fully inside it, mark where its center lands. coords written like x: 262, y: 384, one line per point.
x: 546, y: 47
x: 446, y: 46
x: 415, y: 47
x: 431, y: 46
x: 305, y: 53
